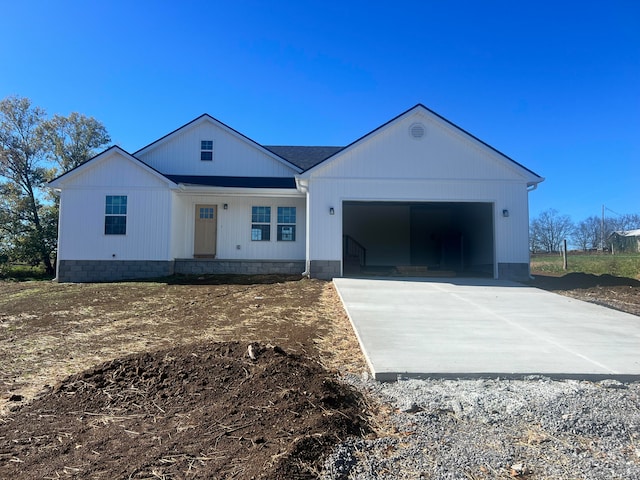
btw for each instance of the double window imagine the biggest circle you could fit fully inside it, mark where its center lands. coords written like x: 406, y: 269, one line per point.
x: 115, y: 218
x: 206, y: 150
x: 261, y: 224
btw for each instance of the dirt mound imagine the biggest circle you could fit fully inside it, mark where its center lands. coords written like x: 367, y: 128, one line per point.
x: 610, y: 291
x: 577, y: 280
x: 198, y: 411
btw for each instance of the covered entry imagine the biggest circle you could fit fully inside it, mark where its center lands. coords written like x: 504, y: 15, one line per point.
x: 418, y: 238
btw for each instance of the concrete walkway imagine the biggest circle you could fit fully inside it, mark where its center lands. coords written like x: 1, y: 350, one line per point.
x: 462, y: 328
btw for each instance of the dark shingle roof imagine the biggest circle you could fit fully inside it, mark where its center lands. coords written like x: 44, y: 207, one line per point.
x: 303, y: 157
x: 237, y: 182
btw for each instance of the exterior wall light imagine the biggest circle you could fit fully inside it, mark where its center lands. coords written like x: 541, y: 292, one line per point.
x: 225, y: 206
x: 331, y: 211
x: 505, y: 213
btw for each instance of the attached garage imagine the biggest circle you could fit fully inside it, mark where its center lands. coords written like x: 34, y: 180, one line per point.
x: 418, y: 196
x: 426, y: 238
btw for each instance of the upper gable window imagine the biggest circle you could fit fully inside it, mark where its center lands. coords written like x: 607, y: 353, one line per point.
x: 206, y: 150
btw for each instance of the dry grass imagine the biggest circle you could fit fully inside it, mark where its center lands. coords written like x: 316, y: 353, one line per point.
x: 49, y: 331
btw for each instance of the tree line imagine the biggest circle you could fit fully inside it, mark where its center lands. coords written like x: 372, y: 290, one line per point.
x: 548, y: 231
x: 34, y: 149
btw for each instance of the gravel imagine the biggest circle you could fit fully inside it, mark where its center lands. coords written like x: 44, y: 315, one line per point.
x: 535, y: 428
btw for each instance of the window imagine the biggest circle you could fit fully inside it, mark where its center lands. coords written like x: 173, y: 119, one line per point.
x: 206, y: 150
x: 115, y: 218
x: 260, y: 223
x: 206, y: 212
x: 286, y: 224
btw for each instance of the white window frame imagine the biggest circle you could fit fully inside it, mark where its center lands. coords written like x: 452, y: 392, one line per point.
x: 206, y: 150
x: 115, y: 210
x: 284, y: 221
x: 259, y: 220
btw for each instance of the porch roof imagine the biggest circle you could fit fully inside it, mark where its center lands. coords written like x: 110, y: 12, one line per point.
x: 234, y: 182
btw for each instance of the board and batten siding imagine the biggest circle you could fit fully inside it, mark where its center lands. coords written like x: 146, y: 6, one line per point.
x: 234, y: 227
x: 233, y: 155
x: 445, y: 165
x: 511, y: 233
x: 82, y: 214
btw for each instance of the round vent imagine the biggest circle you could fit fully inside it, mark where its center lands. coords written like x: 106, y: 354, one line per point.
x: 417, y: 131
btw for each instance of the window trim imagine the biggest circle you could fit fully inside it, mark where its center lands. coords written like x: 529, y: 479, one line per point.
x: 258, y: 220
x: 113, y: 211
x: 206, y: 151
x: 284, y: 221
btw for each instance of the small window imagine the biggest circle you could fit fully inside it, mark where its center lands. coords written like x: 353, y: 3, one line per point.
x: 115, y: 219
x: 206, y: 212
x: 260, y: 224
x: 286, y: 224
x: 206, y: 150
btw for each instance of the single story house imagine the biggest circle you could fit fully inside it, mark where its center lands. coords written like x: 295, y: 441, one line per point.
x: 417, y: 195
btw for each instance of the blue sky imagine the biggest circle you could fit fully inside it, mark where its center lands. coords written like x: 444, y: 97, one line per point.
x: 555, y: 85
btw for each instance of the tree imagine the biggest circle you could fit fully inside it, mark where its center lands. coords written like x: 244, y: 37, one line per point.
x: 586, y: 235
x: 22, y: 164
x: 549, y: 229
x: 34, y: 149
x: 74, y: 139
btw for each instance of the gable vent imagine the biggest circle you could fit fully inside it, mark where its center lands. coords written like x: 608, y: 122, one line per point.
x: 417, y: 131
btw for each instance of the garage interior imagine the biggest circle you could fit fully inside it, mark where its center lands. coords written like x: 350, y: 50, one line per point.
x: 418, y: 238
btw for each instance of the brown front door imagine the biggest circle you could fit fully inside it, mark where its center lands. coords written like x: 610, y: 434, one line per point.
x: 205, y: 231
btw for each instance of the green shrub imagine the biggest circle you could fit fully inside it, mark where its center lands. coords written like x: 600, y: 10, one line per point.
x: 22, y: 272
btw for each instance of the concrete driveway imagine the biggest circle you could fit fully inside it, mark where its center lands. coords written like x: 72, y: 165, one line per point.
x: 462, y: 328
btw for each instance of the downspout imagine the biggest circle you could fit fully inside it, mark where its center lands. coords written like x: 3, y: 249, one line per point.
x: 303, y: 186
x: 58, y: 193
x: 530, y: 188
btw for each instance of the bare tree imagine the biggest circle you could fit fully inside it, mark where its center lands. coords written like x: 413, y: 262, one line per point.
x: 586, y: 234
x: 549, y: 229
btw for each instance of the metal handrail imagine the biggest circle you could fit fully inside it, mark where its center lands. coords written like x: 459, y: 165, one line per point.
x: 354, y: 248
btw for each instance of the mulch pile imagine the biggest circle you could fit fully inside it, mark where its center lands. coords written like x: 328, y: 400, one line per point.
x: 197, y: 411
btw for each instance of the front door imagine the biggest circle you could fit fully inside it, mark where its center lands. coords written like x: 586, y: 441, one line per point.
x: 205, y: 231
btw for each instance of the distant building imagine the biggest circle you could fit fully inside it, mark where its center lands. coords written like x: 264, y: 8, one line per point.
x: 625, y: 241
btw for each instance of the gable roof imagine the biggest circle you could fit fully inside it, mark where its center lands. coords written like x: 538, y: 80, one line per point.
x: 205, y: 117
x: 302, y: 159
x: 627, y: 233
x: 55, y: 183
x: 536, y: 178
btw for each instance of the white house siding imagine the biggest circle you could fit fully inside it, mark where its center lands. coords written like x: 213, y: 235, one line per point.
x: 234, y: 226
x: 85, y: 253
x: 83, y: 212
x: 179, y: 154
x: 511, y: 233
x: 443, y: 166
x: 443, y: 153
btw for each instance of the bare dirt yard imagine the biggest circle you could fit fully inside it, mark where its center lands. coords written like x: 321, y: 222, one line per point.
x: 157, y: 380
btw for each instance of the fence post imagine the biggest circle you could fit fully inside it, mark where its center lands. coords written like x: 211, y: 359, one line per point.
x: 564, y: 255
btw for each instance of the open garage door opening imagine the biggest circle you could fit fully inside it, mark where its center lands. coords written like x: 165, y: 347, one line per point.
x: 418, y: 238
